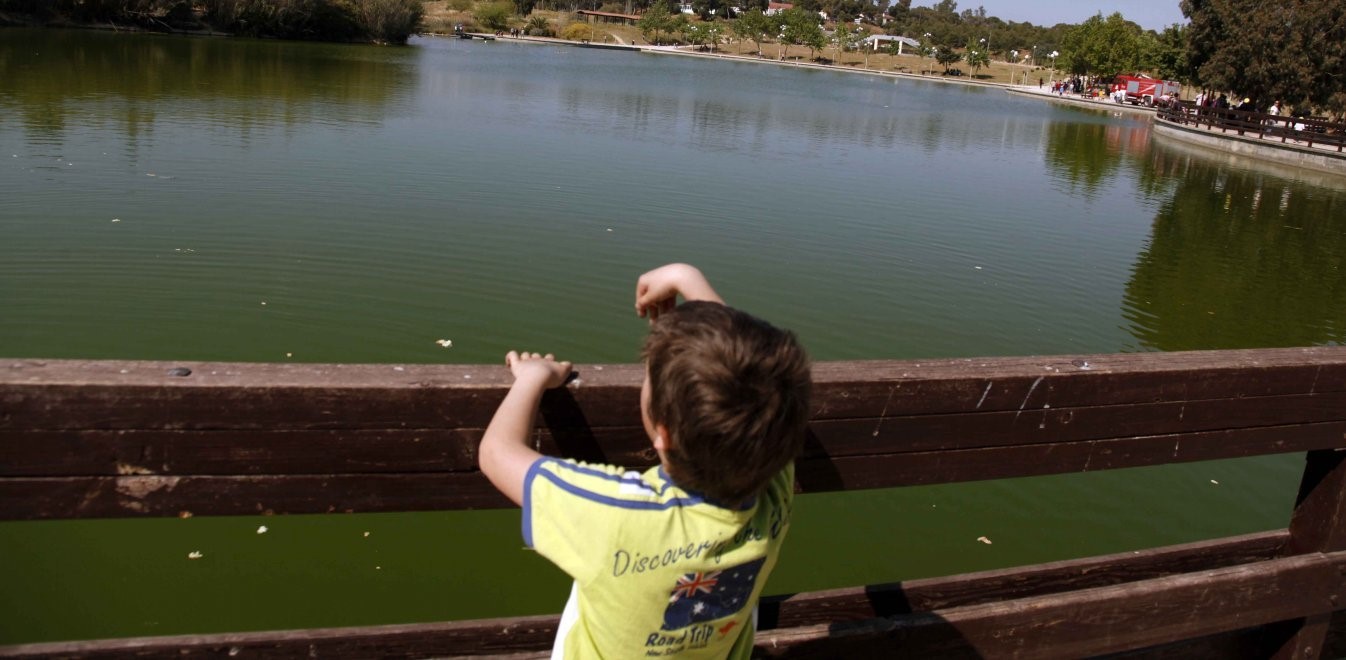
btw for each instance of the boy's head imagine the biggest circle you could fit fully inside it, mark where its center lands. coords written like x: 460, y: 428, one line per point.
x: 731, y: 392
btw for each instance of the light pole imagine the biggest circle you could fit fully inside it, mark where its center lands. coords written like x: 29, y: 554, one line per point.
x: 932, y: 49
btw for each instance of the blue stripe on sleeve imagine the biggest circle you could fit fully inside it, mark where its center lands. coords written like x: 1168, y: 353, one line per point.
x: 528, y: 499
x: 619, y: 478
x: 613, y: 501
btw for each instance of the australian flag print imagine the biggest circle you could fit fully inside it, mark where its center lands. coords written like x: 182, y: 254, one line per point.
x: 711, y: 595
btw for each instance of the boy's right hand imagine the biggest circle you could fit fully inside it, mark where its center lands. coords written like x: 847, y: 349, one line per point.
x: 657, y: 291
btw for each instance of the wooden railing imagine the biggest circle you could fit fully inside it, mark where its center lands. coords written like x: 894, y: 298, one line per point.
x: 121, y: 439
x: 1306, y: 131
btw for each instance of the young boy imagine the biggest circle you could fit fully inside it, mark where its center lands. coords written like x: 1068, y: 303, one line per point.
x: 670, y: 562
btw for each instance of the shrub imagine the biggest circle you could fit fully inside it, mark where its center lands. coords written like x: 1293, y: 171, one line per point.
x: 538, y: 26
x: 493, y: 16
x: 333, y: 20
x: 389, y: 21
x: 460, y: 5
x: 578, y: 32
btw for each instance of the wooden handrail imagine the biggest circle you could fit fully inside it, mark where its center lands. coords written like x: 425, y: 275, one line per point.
x: 100, y: 439
x: 117, y: 439
x: 1257, y: 124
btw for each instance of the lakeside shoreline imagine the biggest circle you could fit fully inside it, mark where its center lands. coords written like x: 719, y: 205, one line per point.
x: 754, y: 59
x: 1260, y: 153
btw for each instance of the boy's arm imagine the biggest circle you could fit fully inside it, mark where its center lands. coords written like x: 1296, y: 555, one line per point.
x: 657, y: 291
x: 504, y: 456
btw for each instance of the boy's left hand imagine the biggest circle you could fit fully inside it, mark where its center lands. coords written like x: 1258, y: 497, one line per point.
x: 544, y: 368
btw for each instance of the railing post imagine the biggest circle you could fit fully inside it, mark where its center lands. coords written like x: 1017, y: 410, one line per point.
x: 1318, y: 525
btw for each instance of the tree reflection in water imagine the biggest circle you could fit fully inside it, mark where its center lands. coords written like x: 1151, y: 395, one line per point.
x: 1238, y: 258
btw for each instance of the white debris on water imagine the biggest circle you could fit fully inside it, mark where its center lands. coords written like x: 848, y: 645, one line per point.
x: 261, y: 530
x: 195, y: 554
x: 1215, y: 482
x: 985, y: 540
x: 444, y: 343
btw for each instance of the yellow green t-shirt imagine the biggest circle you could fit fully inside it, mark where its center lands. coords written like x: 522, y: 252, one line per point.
x: 659, y: 571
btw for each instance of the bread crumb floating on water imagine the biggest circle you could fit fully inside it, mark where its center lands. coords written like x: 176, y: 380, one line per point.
x: 261, y: 530
x: 366, y: 534
x: 985, y: 540
x: 444, y: 343
x: 116, y: 219
x: 195, y: 554
x: 1215, y: 482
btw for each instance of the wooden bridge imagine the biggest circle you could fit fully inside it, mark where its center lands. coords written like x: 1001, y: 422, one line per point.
x: 129, y: 439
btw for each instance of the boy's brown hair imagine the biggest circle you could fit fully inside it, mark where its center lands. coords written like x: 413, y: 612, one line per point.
x: 733, y: 392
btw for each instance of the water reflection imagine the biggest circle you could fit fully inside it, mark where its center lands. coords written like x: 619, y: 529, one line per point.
x: 55, y: 80
x: 728, y: 107
x: 1238, y: 259
x: 1084, y: 155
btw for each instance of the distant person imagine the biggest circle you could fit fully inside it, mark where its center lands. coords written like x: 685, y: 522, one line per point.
x: 674, y: 559
x: 1040, y: 83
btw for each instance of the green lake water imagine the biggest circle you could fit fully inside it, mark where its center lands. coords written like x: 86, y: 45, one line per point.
x: 213, y: 199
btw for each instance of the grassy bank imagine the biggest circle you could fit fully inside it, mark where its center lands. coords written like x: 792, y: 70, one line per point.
x: 382, y: 21
x: 442, y: 15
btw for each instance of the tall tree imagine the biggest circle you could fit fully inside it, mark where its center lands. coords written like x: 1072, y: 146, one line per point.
x: 1103, y: 46
x: 1168, y: 54
x: 753, y: 26
x: 802, y: 29
x: 1293, y: 50
x: 977, y: 56
x: 656, y: 21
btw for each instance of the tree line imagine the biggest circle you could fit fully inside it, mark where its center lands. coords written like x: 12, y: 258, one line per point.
x: 1293, y: 51
x: 385, y: 21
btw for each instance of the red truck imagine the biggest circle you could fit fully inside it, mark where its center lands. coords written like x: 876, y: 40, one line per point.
x: 1144, y: 90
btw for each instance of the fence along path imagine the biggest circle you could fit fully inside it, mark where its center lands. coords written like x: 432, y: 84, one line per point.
x: 130, y: 439
x: 1310, y: 132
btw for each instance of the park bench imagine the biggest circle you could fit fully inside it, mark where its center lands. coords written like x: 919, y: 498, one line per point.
x: 97, y: 439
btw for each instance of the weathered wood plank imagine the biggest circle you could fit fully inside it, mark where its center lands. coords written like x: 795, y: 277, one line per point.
x: 527, y: 634
x: 116, y: 395
x: 130, y: 496
x: 1090, y: 621
x: 245, y: 452
x: 168, y: 495
x: 975, y: 430
x: 1317, y: 525
x: 1319, y: 520
x: 886, y: 600
x: 262, y: 451
x: 934, y: 467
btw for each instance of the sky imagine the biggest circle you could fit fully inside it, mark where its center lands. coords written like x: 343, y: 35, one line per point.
x: 1150, y: 14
